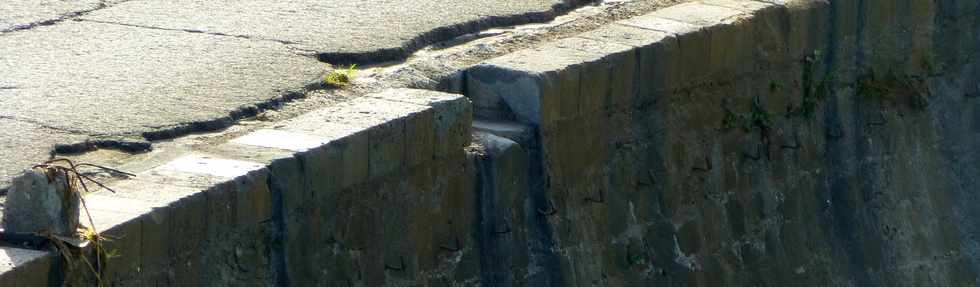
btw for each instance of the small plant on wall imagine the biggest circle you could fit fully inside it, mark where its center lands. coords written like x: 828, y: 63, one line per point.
x: 757, y: 117
x: 340, y: 78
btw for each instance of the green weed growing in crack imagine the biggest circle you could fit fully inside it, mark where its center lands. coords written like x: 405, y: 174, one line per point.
x: 340, y: 78
x: 813, y: 98
x: 930, y: 63
x: 757, y: 117
x: 814, y: 92
x: 870, y: 87
x: 730, y: 121
x: 890, y: 87
x: 775, y: 86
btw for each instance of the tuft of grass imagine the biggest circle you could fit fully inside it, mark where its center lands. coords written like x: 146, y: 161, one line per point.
x: 759, y: 117
x: 340, y: 78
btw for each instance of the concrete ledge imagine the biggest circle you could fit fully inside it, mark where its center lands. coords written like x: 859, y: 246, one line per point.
x: 162, y: 218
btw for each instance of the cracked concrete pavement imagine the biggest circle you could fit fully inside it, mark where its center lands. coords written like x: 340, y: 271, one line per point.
x: 155, y: 69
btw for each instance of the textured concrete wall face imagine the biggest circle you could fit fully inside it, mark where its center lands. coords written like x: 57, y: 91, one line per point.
x: 741, y: 143
x: 713, y: 143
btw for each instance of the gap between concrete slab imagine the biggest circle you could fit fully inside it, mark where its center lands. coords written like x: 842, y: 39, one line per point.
x: 285, y: 42
x: 63, y: 17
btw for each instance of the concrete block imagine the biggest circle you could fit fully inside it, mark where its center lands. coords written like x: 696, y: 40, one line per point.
x: 656, y: 23
x: 418, y: 97
x: 540, y: 85
x: 516, y: 93
x: 189, y: 225
x: 344, y: 160
x: 508, y: 164
x: 156, y: 239
x: 288, y: 178
x: 222, y: 207
x: 625, y: 34
x: 522, y: 134
x: 454, y: 123
x: 281, y: 140
x: 384, y: 123
x: 123, y: 230
x: 594, y: 88
x: 254, y: 204
x: 354, y: 153
x: 323, y: 164
x: 699, y: 14
x: 452, y: 115
x: 386, y: 153
x: 420, y: 138
x: 747, y: 6
x: 104, y: 201
x: 705, y: 40
x: 158, y: 188
x: 139, y: 219
x: 638, y: 77
x: 209, y: 165
x: 809, y: 26
x: 24, y: 267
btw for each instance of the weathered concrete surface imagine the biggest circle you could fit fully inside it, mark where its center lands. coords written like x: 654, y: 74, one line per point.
x: 338, y: 31
x: 122, y: 72
x: 104, y: 79
x: 805, y: 143
x: 25, y: 14
x: 741, y: 143
x: 376, y: 202
x: 77, y: 81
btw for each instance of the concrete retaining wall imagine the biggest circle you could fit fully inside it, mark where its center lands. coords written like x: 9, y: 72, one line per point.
x: 742, y: 143
x: 713, y: 143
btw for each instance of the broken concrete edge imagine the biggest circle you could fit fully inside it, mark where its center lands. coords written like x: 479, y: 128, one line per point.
x: 447, y: 33
x: 363, y: 139
x: 524, y: 88
x: 143, y: 142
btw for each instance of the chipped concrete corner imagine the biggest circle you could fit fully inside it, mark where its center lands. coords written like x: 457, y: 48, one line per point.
x: 711, y: 143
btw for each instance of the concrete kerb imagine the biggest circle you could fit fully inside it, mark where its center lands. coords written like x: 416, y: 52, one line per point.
x: 164, y: 213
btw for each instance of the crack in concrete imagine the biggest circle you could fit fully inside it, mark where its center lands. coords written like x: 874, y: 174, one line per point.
x: 182, y: 129
x: 61, y: 18
x: 131, y: 146
x: 447, y: 33
x: 94, y: 142
x: 195, y: 31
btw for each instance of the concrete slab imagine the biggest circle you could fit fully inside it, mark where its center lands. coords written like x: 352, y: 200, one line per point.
x: 106, y: 79
x: 339, y: 31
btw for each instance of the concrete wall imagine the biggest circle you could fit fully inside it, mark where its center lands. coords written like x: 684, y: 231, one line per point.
x: 714, y: 143
x: 741, y: 143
